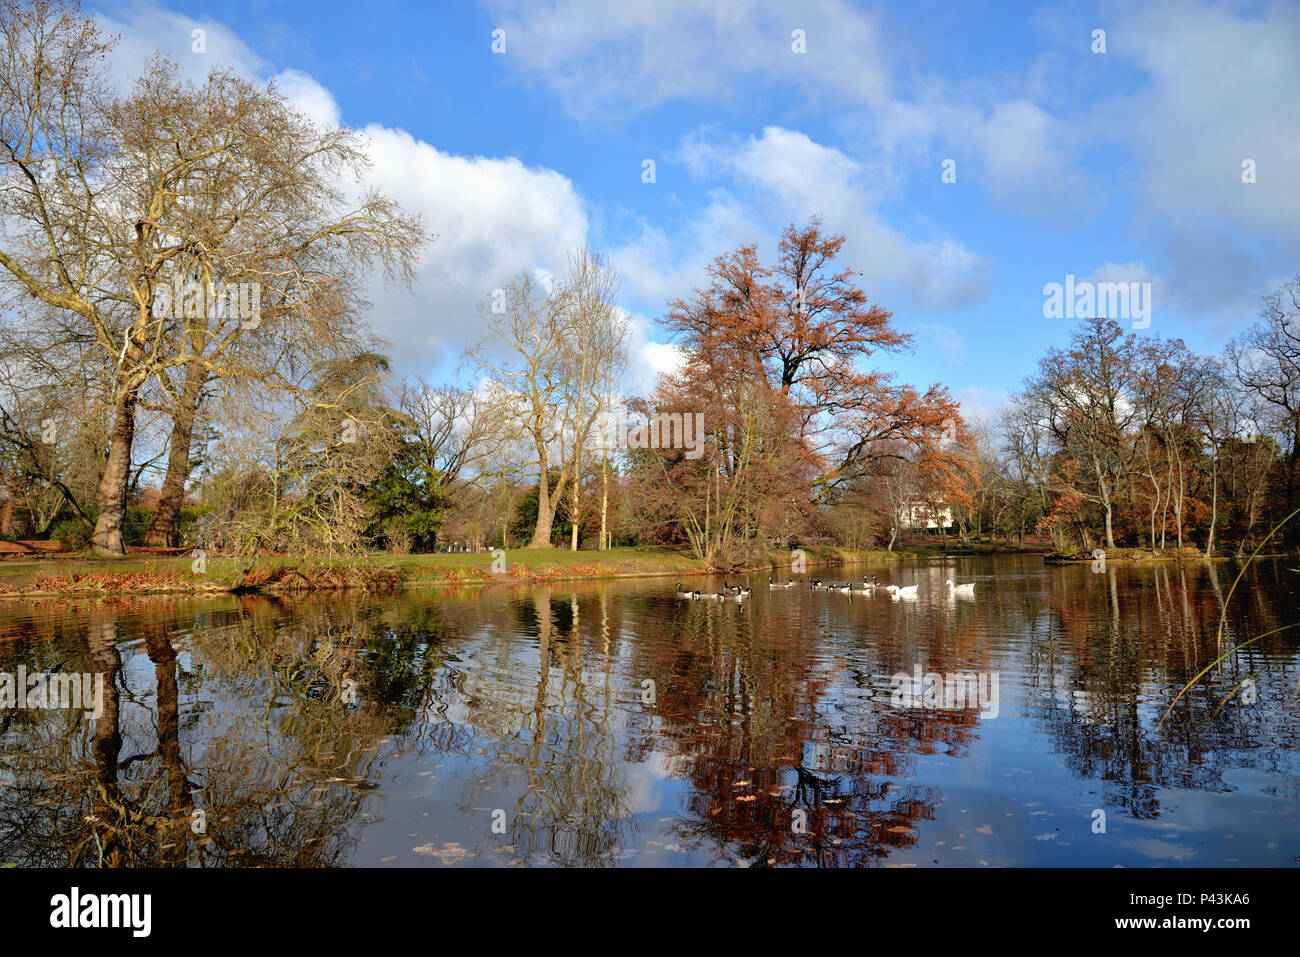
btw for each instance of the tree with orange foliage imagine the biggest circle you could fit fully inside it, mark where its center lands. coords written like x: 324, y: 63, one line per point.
x: 947, y: 474
x: 805, y: 329
x: 749, y: 475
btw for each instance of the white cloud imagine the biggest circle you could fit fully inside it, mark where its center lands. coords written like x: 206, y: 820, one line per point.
x: 981, y: 404
x: 494, y: 219
x: 784, y: 176
x: 649, y: 359
x: 144, y: 29
x: 1220, y: 88
x: 1024, y: 152
x: 605, y: 59
x: 658, y: 266
x: 949, y: 342
x: 309, y: 97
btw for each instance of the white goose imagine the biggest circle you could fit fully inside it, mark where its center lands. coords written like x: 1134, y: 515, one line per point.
x: 966, y: 589
x: 907, y: 591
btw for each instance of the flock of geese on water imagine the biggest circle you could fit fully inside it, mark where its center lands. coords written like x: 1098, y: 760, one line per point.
x: 869, y: 588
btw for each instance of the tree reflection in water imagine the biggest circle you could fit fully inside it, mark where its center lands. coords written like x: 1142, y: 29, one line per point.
x: 607, y: 720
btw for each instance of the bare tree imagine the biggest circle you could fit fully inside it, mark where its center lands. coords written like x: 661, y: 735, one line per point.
x: 1266, y: 362
x: 116, y: 199
x: 1084, y: 394
x: 596, y: 355
x: 530, y: 321
x: 456, y: 428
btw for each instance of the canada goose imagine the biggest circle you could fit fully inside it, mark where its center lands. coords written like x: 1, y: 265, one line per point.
x: 685, y: 594
x: 775, y: 585
x: 864, y: 589
x: 844, y: 589
x: 967, y: 589
x: 744, y: 592
x: 815, y: 583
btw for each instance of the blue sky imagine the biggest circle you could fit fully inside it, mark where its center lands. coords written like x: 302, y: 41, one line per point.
x: 1123, y: 165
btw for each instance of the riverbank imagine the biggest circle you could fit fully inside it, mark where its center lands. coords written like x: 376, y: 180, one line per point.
x: 1136, y: 556
x: 90, y: 575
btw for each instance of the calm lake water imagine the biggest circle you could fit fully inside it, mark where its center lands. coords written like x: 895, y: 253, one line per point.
x: 613, y: 724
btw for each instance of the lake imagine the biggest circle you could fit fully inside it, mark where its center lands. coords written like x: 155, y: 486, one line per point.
x: 612, y: 724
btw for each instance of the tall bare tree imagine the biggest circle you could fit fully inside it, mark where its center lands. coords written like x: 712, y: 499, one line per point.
x: 180, y: 187
x: 596, y: 357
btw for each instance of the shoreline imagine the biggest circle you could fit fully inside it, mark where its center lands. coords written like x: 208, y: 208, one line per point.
x: 89, y: 576
x: 84, y: 576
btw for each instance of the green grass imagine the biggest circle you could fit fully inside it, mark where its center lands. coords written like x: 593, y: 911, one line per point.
x: 542, y: 562
x: 1170, y: 554
x: 85, y: 573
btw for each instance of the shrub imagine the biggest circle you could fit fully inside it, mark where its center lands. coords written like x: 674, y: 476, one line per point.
x: 398, y: 539
x: 73, y: 534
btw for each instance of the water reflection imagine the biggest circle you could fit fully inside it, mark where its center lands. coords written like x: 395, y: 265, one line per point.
x: 613, y: 724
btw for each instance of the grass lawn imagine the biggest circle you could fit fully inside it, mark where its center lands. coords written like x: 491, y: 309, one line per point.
x: 84, y: 573
x: 88, y: 574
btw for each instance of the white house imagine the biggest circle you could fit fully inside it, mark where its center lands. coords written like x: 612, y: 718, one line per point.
x: 917, y: 514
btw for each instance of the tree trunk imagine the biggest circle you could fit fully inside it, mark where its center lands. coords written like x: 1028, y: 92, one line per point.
x: 7, y: 516
x: 604, y: 503
x: 1291, y: 536
x: 545, y: 508
x: 162, y: 530
x: 107, y: 537
x: 577, y: 489
x: 1214, y: 503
